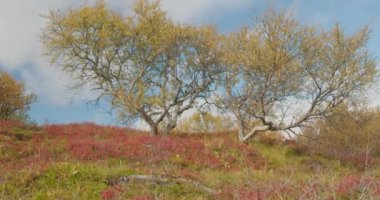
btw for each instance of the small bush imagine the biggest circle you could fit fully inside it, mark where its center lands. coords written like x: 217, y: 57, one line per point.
x: 357, y: 187
x: 14, y: 102
x: 205, y: 122
x: 360, y: 161
x: 351, y: 135
x: 298, y: 148
x: 111, y: 193
x: 142, y: 198
x: 270, y: 138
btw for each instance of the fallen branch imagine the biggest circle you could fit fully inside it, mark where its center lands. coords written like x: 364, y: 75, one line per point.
x: 162, y: 179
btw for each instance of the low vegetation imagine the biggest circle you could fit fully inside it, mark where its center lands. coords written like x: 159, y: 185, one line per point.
x: 87, y: 161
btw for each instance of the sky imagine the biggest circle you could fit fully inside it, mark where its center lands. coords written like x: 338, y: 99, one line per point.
x: 21, y: 53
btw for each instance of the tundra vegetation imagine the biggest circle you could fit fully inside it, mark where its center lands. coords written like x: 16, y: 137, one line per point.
x: 88, y: 161
x: 289, y: 121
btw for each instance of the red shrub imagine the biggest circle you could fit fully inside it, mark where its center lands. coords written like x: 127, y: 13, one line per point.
x: 377, y: 189
x: 249, y: 194
x: 360, y: 161
x: 190, y: 174
x: 111, y: 192
x: 348, y: 185
x: 260, y: 191
x: 88, y: 141
x: 298, y: 148
x: 9, y: 124
x: 93, y: 142
x: 270, y: 138
x: 289, y: 141
x: 143, y: 198
x: 234, y: 152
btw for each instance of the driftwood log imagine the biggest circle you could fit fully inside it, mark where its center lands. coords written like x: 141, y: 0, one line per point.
x: 162, y: 179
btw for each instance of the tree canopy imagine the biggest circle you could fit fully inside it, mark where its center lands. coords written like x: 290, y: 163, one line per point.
x: 14, y: 102
x: 278, y: 75
x: 150, y: 67
x: 286, y: 75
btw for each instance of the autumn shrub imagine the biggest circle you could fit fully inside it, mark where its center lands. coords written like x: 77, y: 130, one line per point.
x: 259, y: 191
x: 92, y: 142
x: 352, y: 136
x: 243, y: 193
x: 347, y: 187
x: 189, y: 173
x: 22, y: 146
x: 360, y: 161
x: 111, y: 193
x: 234, y: 153
x: 270, y: 138
x: 205, y: 122
x: 142, y: 198
x: 89, y: 142
x: 14, y: 101
x: 357, y: 186
x: 377, y: 189
x: 6, y: 124
x: 84, y: 161
x: 298, y: 148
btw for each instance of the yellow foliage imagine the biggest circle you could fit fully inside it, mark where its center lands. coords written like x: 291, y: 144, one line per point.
x: 149, y: 66
x: 348, y: 134
x: 206, y: 123
x: 13, y: 101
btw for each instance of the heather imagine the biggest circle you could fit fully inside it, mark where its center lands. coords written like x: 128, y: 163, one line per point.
x: 84, y: 161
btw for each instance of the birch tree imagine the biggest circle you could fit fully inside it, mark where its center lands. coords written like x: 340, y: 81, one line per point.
x: 149, y: 67
x: 284, y: 75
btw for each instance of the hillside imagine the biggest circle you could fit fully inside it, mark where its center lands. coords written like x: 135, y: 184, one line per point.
x: 88, y: 161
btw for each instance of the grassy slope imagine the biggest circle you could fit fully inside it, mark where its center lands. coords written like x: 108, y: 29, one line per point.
x: 76, y: 161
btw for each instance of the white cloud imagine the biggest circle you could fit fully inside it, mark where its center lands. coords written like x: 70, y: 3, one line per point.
x: 20, y: 50
x: 51, y: 85
x: 20, y: 23
x: 201, y: 11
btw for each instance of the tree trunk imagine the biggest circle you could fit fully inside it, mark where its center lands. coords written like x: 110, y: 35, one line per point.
x: 170, y: 126
x: 241, y: 132
x: 249, y: 136
x: 152, y: 124
x: 154, y: 129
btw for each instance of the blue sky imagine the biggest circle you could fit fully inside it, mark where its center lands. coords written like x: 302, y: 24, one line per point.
x: 21, y: 55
